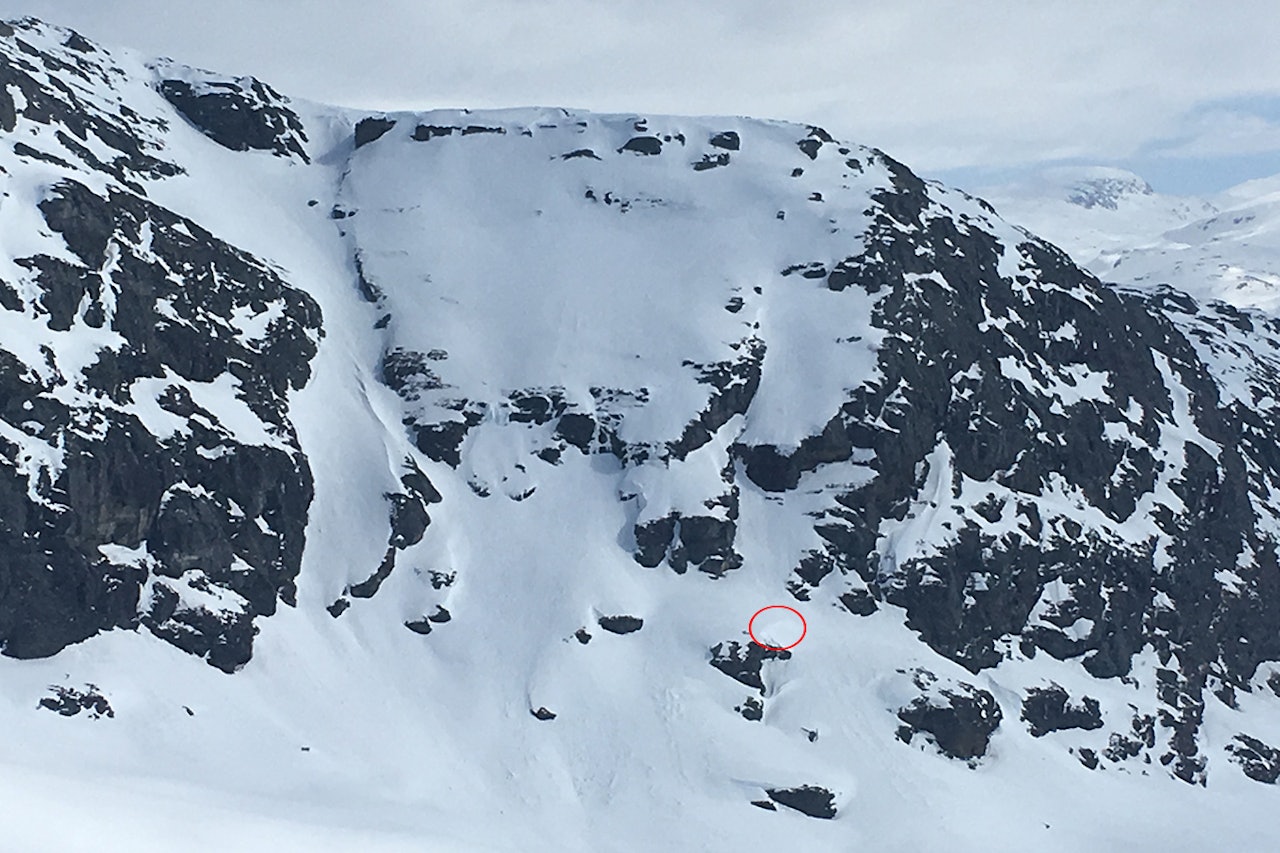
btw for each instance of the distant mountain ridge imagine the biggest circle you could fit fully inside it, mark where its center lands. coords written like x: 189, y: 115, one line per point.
x: 1100, y: 187
x: 1110, y: 221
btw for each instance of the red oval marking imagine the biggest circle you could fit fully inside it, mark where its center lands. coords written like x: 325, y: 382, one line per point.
x: 804, y: 627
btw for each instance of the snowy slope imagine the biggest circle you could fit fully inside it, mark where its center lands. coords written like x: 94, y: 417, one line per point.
x: 1112, y: 223
x: 541, y: 370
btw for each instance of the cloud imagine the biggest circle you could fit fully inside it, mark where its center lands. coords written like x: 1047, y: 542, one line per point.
x: 1221, y: 131
x: 939, y: 84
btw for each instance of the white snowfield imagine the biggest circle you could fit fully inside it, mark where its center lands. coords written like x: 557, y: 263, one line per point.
x: 1224, y: 247
x: 530, y: 270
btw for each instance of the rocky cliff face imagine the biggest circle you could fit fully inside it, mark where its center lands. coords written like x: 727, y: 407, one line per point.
x: 153, y: 476
x: 1031, y: 463
x: 630, y: 348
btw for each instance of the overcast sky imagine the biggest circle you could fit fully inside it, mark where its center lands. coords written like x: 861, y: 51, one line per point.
x: 1187, y: 93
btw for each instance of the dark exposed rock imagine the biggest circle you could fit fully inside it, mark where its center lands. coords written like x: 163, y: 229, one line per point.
x: 810, y: 148
x: 643, y: 145
x: 727, y: 140
x: 859, y: 602
x: 707, y: 543
x: 440, y: 616
x: 578, y: 153
x: 582, y: 636
x: 577, y: 429
x: 751, y: 709
x: 223, y: 638
x: 959, y: 718
x: 1182, y: 712
x: 242, y: 115
x: 427, y: 132
x: 767, y: 805
x: 409, y: 520
x: 418, y: 484
x: 775, y: 471
x: 711, y: 161
x: 812, y: 143
x: 744, y: 663
x: 372, y: 128
x: 1049, y: 709
x: 338, y: 607
x: 368, y: 588
x: 1259, y: 761
x: 845, y: 274
x: 187, y: 535
x: 10, y: 300
x: 77, y: 42
x: 1142, y: 736
x: 814, y: 567
x: 1112, y: 587
x: 70, y: 116
x: 1088, y: 758
x: 24, y: 150
x: 704, y: 542
x: 536, y: 406
x: 419, y: 626
x: 806, y: 799
x: 442, y: 442
x: 813, y: 269
x: 68, y: 701
x: 652, y: 540
x: 621, y: 624
x: 198, y: 499
x: 542, y: 713
x: 369, y: 292
x: 735, y: 382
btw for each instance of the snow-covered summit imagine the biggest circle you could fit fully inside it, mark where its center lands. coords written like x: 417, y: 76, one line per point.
x: 1226, y: 247
x: 1088, y: 210
x: 1097, y: 186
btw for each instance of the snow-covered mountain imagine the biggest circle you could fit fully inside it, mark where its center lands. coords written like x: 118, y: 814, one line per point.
x: 410, y: 481
x: 1111, y: 222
